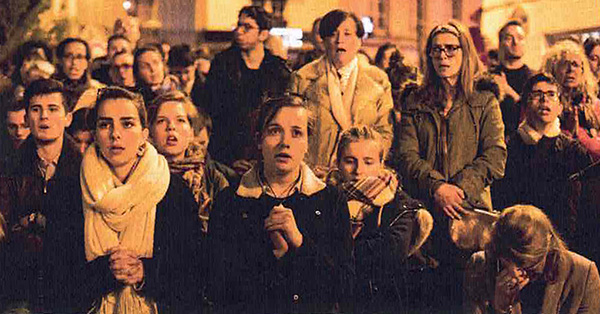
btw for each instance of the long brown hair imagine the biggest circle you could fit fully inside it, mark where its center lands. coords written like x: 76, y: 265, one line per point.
x: 524, y: 235
x: 470, y: 68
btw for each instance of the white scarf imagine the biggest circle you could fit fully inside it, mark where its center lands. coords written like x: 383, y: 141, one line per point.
x: 531, y: 136
x: 341, y: 103
x: 118, y: 214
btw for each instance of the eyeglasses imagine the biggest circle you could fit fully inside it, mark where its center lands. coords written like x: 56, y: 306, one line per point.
x: 538, y: 94
x: 449, y: 50
x: 571, y: 63
x: 245, y: 27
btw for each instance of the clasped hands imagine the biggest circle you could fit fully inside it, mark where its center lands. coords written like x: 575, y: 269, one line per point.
x: 126, y: 266
x: 283, y: 231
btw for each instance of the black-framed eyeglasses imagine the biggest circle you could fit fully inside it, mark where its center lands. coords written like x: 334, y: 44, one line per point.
x: 537, y: 95
x: 449, y: 50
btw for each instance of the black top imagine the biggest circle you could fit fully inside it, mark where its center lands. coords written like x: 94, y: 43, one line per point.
x: 511, y: 110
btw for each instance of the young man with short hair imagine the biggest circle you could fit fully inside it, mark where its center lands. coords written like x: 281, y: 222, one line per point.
x: 44, y: 206
x: 512, y: 73
x: 541, y: 159
x: 239, y: 78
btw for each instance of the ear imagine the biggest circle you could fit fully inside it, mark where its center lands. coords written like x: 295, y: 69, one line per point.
x: 69, y: 119
x: 145, y: 134
x: 263, y: 35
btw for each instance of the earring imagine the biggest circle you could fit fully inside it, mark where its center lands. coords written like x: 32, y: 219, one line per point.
x: 141, y: 150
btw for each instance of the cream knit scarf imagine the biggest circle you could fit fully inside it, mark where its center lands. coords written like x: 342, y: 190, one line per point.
x: 341, y: 96
x: 122, y: 214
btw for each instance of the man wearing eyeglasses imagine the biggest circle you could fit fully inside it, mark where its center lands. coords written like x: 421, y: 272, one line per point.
x: 239, y: 78
x: 542, y: 160
x: 121, y: 70
x: 512, y: 73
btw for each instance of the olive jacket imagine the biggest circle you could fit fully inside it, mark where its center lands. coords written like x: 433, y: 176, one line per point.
x: 466, y: 148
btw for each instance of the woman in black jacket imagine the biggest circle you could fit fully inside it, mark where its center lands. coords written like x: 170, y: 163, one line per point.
x: 141, y: 228
x: 280, y: 242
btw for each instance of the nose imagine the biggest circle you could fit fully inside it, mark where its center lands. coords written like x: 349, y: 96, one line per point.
x: 359, y: 169
x: 115, y: 133
x: 44, y: 114
x: 170, y: 126
x: 285, y: 139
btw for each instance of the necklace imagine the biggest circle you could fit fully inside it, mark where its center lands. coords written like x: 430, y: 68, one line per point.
x: 286, y: 192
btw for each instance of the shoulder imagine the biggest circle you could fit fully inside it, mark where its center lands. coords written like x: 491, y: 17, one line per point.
x: 275, y: 62
x: 312, y: 70
x: 576, y: 268
x: 374, y: 73
x: 485, y: 91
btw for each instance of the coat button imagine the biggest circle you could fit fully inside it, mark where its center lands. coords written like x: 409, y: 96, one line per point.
x: 296, y: 297
x: 244, y: 215
x: 318, y: 213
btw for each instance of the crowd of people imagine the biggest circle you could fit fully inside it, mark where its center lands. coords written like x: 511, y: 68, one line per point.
x: 148, y: 181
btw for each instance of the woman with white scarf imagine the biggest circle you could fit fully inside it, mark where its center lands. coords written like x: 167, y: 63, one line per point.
x: 342, y: 90
x: 139, y: 220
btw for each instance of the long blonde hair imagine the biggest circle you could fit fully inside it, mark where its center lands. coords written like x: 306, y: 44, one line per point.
x: 471, y: 66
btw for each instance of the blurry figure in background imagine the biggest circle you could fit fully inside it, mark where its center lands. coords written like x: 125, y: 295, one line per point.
x: 128, y: 27
x: 173, y: 121
x: 150, y: 73
x: 592, y: 51
x: 15, y: 123
x: 73, y: 55
x: 101, y: 65
x: 182, y: 64
x: 383, y: 55
x: 451, y: 149
x: 527, y: 268
x: 239, y: 78
x: 121, y: 71
x: 203, y: 57
x: 318, y: 48
x: 275, y: 45
x: 541, y: 159
x: 388, y: 226
x: 511, y: 74
x: 493, y: 59
x: 165, y: 46
x: 567, y: 62
x: 342, y: 90
x: 80, y: 131
x: 33, y: 60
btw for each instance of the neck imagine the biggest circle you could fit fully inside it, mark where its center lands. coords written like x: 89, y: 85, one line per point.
x: 512, y: 63
x: 541, y: 127
x: 123, y: 172
x: 49, y: 150
x: 279, y: 180
x: 254, y: 56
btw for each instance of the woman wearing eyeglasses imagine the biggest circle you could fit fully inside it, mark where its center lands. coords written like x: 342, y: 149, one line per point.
x: 526, y: 268
x: 566, y: 61
x: 451, y: 144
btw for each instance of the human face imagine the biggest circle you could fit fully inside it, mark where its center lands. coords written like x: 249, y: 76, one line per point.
x: 513, y: 42
x: 18, y: 130
x: 285, y: 141
x: 594, y: 59
x: 172, y: 132
x: 360, y: 159
x: 543, y: 111
x: 47, y: 117
x: 151, y: 68
x: 447, y: 67
x: 186, y: 76
x: 247, y: 34
x: 385, y: 62
x: 83, y: 139
x: 343, y: 45
x: 122, y: 70
x: 119, y: 134
x: 203, y: 139
x: 569, y: 72
x: 117, y: 45
x: 74, y: 62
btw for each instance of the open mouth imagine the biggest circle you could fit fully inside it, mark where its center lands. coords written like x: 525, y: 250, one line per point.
x: 340, y: 50
x: 282, y: 156
x: 172, y: 140
x: 44, y: 127
x: 116, y: 149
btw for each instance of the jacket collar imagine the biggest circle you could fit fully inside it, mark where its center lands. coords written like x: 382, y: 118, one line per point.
x: 531, y: 137
x: 251, y: 187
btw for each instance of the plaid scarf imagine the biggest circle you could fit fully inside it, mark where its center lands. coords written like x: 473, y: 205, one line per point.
x: 362, y: 202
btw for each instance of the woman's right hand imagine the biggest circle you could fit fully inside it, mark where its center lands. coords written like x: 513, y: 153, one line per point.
x: 508, y: 284
x: 448, y: 197
x: 126, y: 266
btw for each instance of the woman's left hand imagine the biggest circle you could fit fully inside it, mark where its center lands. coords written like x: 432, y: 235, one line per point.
x: 126, y: 266
x: 282, y: 218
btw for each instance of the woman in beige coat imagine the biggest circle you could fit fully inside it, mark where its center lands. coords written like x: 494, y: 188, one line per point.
x: 341, y: 90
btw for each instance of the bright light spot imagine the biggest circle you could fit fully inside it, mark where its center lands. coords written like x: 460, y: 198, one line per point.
x: 367, y: 24
x: 292, y: 37
x: 127, y: 5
